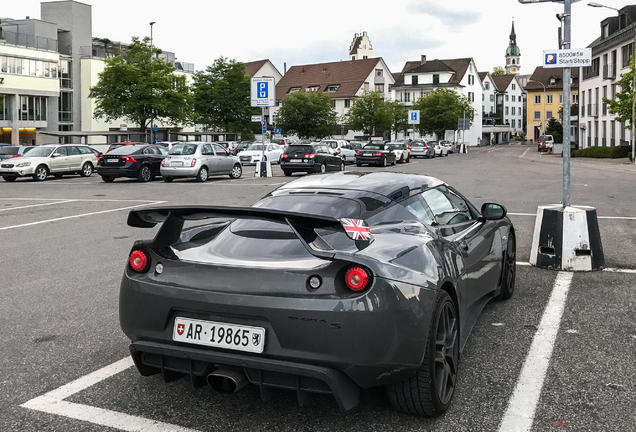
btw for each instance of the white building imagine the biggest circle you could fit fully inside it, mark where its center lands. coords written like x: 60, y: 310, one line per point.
x: 611, y: 53
x: 419, y: 78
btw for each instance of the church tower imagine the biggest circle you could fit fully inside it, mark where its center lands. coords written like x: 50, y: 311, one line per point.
x: 513, y: 55
x: 360, y: 47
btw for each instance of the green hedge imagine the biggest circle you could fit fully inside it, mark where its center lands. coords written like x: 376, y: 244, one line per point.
x: 603, y: 152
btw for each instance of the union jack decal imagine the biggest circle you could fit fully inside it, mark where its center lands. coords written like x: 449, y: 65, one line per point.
x: 356, y: 229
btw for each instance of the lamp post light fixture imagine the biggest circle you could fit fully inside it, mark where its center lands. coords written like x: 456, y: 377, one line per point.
x: 632, y: 133
x: 152, y: 119
x: 541, y: 127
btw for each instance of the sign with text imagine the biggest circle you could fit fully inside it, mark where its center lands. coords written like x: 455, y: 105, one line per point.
x: 257, y: 118
x: 414, y: 116
x: 567, y: 58
x: 263, y: 92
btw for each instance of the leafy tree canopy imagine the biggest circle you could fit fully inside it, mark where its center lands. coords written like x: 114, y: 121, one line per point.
x: 308, y: 115
x: 399, y: 114
x: 621, y: 105
x: 498, y: 71
x: 369, y: 113
x: 440, y: 110
x: 139, y: 87
x: 222, y: 97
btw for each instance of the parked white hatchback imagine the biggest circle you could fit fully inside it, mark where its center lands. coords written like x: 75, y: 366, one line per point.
x: 344, y: 149
x: 55, y: 159
x: 199, y: 160
x: 401, y: 150
x: 254, y: 152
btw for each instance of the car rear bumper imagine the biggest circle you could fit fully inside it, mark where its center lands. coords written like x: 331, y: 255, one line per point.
x: 179, y: 171
x: 123, y: 171
x: 369, y: 159
x: 307, y: 167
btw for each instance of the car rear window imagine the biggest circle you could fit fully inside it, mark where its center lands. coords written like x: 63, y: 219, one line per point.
x: 374, y: 147
x: 8, y: 150
x: 417, y: 144
x: 545, y: 138
x: 300, y: 148
x: 126, y: 150
x: 183, y: 149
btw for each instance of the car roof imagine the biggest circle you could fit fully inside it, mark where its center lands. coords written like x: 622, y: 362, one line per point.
x: 383, y: 183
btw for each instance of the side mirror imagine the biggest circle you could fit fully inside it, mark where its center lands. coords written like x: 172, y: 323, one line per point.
x: 492, y: 211
x: 55, y: 155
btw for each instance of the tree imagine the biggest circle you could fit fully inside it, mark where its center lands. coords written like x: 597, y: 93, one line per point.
x: 308, y: 115
x: 621, y: 105
x: 140, y: 88
x: 574, y: 110
x: 399, y: 113
x: 369, y: 113
x: 555, y: 128
x: 222, y: 97
x: 440, y: 110
x: 498, y: 71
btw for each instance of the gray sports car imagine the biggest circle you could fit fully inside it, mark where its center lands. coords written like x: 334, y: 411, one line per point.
x: 329, y: 284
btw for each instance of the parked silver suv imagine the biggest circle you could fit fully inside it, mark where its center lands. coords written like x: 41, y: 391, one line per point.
x: 199, y: 160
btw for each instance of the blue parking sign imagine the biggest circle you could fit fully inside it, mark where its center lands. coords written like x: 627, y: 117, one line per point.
x: 263, y: 90
x: 413, y: 116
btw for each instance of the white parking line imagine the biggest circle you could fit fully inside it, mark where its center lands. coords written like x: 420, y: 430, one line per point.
x: 37, y: 205
x: 599, y: 217
x: 53, y: 403
x: 80, y: 215
x: 521, y: 409
x: 524, y: 153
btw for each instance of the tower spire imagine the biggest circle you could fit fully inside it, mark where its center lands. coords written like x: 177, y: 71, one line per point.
x: 513, y: 54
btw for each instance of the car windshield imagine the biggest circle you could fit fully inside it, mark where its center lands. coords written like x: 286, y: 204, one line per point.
x: 433, y: 143
x: 395, y: 146
x: 126, y: 150
x: 374, y: 147
x: 41, y: 152
x: 256, y: 147
x: 183, y: 149
x: 405, y: 141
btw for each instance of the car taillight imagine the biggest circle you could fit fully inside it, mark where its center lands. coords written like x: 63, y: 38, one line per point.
x: 100, y: 158
x: 357, y: 279
x: 378, y: 153
x: 194, y: 162
x: 163, y: 163
x: 129, y: 159
x: 310, y: 156
x: 139, y: 261
x: 15, y: 155
x: 410, y: 147
x: 338, y: 151
x: 284, y: 156
x: 358, y: 153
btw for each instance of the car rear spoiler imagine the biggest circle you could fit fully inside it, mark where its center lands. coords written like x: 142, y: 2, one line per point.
x: 303, y: 225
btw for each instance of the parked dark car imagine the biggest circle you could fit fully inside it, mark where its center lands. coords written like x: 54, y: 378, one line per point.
x: 375, y: 153
x: 329, y: 284
x: 142, y: 162
x: 310, y: 158
x: 11, y: 151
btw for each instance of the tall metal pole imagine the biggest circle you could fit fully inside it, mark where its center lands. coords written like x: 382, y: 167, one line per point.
x: 566, y: 105
x: 152, y: 118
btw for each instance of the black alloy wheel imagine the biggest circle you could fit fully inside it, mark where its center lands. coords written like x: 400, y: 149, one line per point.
x: 108, y: 179
x: 509, y: 269
x: 431, y: 390
x: 144, y: 174
x: 358, y: 164
x: 287, y: 173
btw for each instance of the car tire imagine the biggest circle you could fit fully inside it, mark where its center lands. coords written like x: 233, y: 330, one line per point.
x: 509, y: 269
x: 401, y: 159
x: 287, y: 173
x: 431, y: 390
x: 383, y: 162
x: 108, y: 179
x: 358, y: 164
x: 167, y: 179
x: 342, y: 166
x: 202, y: 175
x: 41, y: 173
x: 87, y: 169
x: 9, y: 178
x: 145, y: 175
x: 237, y: 171
x: 393, y: 163
x: 323, y: 168
x: 538, y: 148
x: 408, y: 159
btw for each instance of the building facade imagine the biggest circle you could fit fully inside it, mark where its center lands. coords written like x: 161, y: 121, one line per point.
x: 611, y: 54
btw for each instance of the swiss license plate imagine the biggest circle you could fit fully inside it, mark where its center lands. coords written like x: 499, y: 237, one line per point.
x: 176, y: 163
x: 112, y: 160
x: 367, y: 154
x: 295, y: 160
x: 219, y: 335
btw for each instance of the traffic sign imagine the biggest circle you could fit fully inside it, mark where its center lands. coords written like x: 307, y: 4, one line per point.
x: 264, y: 124
x: 257, y: 118
x: 414, y: 116
x: 263, y: 92
x: 277, y: 131
x: 567, y: 58
x: 155, y: 128
x: 463, y: 124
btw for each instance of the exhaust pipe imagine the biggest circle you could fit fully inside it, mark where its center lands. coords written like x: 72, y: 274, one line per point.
x: 227, y: 379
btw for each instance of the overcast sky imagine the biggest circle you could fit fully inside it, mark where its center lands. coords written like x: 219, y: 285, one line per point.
x: 305, y: 32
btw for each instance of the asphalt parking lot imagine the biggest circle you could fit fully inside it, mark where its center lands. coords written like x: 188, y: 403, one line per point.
x: 558, y: 355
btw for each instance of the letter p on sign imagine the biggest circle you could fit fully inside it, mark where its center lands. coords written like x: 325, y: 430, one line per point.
x: 262, y: 90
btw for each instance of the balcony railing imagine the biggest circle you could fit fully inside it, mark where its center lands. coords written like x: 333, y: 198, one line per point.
x: 27, y: 40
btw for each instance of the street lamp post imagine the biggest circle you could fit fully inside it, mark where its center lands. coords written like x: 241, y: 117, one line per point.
x: 152, y: 118
x: 632, y: 134
x: 541, y: 124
